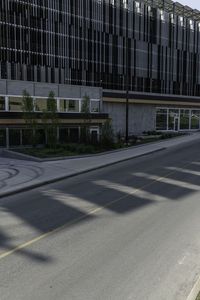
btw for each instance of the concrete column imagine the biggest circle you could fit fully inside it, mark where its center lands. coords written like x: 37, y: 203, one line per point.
x: 80, y: 105
x: 199, y: 119
x: 190, y: 117
x: 79, y: 133
x: 34, y: 104
x: 21, y: 142
x: 101, y: 101
x: 167, y: 119
x: 6, y: 103
x: 58, y: 105
x: 90, y: 106
x: 7, y: 138
x: 58, y: 134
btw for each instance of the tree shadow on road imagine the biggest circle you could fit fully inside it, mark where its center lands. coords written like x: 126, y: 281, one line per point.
x: 8, y: 248
x: 69, y: 203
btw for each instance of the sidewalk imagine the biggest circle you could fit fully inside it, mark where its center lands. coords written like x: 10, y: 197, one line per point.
x: 17, y: 175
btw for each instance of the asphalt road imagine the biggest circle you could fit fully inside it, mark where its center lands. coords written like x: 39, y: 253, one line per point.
x: 130, y: 231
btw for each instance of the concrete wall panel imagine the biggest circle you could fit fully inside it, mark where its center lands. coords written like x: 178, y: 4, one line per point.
x: 17, y: 87
x: 2, y: 87
x: 43, y: 89
x: 141, y: 117
x: 68, y: 91
x: 92, y: 92
x: 117, y: 112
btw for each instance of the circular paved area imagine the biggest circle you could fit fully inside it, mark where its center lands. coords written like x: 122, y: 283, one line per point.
x: 18, y: 173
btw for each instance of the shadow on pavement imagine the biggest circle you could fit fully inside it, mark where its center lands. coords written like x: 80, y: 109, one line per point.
x: 120, y: 189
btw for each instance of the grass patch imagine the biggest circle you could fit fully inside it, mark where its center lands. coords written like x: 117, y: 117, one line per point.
x: 61, y: 150
x: 153, y: 136
x: 45, y: 152
x: 74, y: 149
x: 198, y: 297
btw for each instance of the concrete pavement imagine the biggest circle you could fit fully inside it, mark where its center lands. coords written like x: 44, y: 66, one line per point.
x: 20, y: 175
x: 129, y: 231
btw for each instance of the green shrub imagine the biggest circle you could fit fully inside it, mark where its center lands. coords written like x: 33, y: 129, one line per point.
x: 107, y: 136
x: 84, y: 149
x: 151, y: 132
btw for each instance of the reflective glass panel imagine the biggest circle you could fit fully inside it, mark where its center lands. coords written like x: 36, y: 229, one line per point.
x: 14, y: 137
x: 195, y: 119
x: 15, y: 103
x: 184, y: 119
x: 40, y: 104
x: 172, y: 116
x: 2, y: 103
x: 67, y: 105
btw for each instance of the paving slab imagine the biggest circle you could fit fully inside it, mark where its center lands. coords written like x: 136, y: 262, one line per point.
x: 20, y: 175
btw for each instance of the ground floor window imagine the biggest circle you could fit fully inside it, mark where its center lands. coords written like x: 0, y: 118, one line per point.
x: 64, y: 135
x: 2, y: 137
x: 74, y: 135
x: 94, y: 135
x: 172, y: 119
x: 184, y: 119
x: 40, y: 136
x: 176, y: 119
x: 2, y: 103
x: 195, y: 117
x: 26, y: 136
x: 161, y: 119
x: 13, y: 137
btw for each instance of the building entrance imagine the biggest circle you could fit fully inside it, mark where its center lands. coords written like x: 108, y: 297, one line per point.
x: 177, y: 119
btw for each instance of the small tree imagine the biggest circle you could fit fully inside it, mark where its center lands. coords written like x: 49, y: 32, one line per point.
x: 29, y: 117
x: 85, y: 109
x: 50, y: 120
x: 107, y: 135
x: 119, y: 138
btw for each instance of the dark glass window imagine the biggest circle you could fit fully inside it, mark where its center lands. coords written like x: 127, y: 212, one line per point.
x: 2, y: 103
x: 87, y: 41
x: 14, y: 137
x: 2, y: 137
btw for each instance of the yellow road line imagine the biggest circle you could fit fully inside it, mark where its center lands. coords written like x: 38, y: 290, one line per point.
x: 91, y: 212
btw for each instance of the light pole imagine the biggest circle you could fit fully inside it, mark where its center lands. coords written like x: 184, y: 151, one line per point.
x: 101, y: 102
x: 127, y: 83
x: 127, y: 114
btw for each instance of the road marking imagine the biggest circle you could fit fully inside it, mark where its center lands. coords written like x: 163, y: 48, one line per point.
x: 72, y: 201
x: 166, y: 180
x: 91, y: 212
x: 129, y: 190
x: 187, y: 171
x: 197, y: 163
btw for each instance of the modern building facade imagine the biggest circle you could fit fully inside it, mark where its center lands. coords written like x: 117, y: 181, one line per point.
x: 69, y: 99
x: 150, y: 48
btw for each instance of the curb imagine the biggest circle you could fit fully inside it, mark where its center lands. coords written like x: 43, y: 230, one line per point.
x: 53, y: 180
x: 195, y: 291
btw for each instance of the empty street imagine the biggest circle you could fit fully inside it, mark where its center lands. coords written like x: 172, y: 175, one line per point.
x: 129, y: 231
